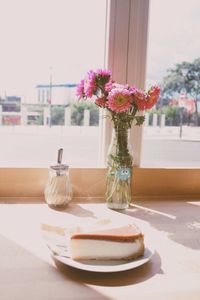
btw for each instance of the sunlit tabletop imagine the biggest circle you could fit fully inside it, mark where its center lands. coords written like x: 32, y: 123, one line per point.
x: 28, y: 271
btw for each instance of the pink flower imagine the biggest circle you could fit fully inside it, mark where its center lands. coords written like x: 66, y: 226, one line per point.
x: 140, y: 99
x: 102, y: 102
x: 103, y: 80
x: 132, y: 89
x: 109, y: 85
x: 80, y: 89
x: 152, y: 96
x: 119, y: 100
x: 103, y: 73
x: 90, y: 84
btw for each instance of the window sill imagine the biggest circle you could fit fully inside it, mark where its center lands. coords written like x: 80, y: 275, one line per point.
x: 89, y: 183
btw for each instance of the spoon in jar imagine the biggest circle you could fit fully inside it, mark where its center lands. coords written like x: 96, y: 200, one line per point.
x: 59, y: 159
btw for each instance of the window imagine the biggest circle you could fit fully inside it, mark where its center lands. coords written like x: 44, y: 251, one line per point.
x: 172, y: 132
x: 126, y: 56
x: 47, y: 46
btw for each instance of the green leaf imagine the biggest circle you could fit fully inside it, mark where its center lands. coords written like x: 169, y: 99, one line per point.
x: 139, y: 120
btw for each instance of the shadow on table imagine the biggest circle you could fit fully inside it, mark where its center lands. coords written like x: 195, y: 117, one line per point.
x: 124, y: 278
x: 75, y: 209
x: 180, y: 219
x: 25, y: 276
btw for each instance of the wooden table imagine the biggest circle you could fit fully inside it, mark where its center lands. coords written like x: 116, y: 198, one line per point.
x: 27, y: 270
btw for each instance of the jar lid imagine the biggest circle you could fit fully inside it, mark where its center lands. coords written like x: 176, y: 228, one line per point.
x: 59, y: 167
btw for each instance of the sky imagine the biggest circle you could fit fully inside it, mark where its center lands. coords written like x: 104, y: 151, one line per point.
x: 174, y: 31
x: 48, y: 38
x: 62, y: 39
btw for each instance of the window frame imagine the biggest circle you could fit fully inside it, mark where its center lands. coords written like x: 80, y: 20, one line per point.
x: 126, y: 54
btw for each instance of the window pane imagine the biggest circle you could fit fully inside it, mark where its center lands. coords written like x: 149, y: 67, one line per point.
x: 172, y: 132
x: 46, y: 48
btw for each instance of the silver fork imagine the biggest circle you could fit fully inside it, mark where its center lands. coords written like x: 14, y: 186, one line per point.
x: 59, y: 250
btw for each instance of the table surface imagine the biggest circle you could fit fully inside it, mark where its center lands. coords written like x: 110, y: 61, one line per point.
x: 27, y: 270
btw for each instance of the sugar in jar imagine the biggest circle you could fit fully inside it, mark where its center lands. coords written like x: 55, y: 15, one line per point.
x: 58, y: 190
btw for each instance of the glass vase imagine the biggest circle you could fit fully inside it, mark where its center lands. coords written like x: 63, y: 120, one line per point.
x: 119, y: 173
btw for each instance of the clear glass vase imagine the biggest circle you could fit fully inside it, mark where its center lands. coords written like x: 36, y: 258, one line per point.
x: 119, y: 173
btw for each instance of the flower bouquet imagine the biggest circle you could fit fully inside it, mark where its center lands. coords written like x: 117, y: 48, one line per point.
x: 123, y: 102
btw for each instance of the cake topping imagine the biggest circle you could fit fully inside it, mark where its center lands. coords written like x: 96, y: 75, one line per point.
x: 126, y: 233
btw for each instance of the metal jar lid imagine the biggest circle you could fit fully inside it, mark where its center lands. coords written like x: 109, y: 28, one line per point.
x: 59, y: 167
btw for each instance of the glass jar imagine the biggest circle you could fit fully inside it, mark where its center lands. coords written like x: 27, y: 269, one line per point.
x: 58, y: 191
x: 119, y: 173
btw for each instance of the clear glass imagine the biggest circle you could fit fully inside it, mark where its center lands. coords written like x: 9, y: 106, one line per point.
x: 58, y: 190
x: 58, y: 41
x: 119, y: 174
x: 172, y: 133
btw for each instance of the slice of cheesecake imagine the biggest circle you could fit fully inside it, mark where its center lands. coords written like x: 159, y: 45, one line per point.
x: 126, y: 242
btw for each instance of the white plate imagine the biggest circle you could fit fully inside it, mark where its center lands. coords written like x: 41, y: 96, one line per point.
x: 107, y: 265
